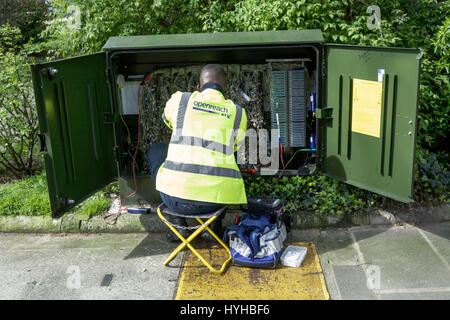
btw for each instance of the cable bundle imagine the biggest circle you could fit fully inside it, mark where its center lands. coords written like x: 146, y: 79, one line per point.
x: 247, y: 87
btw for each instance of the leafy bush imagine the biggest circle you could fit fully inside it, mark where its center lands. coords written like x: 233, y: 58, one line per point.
x: 27, y: 15
x: 312, y: 193
x: 418, y: 24
x: 442, y: 46
x: 325, y: 195
x: 18, y: 118
x: 89, y: 23
x: 431, y: 179
x: 413, y: 24
x: 433, y: 115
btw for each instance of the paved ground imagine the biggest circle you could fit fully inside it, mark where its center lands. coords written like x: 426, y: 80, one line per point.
x: 403, y: 262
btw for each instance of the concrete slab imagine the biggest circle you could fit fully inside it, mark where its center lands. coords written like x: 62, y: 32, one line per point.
x: 403, y: 257
x: 42, y: 267
x: 352, y: 283
x: 141, y: 278
x: 439, y: 237
x: 439, y: 295
x: 334, y: 247
x: 412, y: 264
x: 21, y: 270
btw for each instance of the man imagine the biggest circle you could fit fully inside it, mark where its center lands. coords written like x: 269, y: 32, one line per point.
x: 197, y: 173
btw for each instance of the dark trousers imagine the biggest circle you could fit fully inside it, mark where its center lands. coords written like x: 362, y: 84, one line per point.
x: 156, y: 155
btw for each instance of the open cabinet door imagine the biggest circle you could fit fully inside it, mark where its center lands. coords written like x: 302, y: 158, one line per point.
x: 369, y: 117
x: 73, y: 102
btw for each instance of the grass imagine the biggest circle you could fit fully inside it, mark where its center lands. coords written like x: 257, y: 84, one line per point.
x: 29, y: 196
x: 96, y: 204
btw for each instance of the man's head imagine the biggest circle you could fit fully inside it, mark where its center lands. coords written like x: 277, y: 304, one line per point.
x: 213, y: 73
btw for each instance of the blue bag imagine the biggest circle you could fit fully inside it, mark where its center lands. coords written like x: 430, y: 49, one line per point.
x: 257, y: 241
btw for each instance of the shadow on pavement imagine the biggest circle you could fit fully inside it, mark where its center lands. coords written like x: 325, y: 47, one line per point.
x: 155, y: 243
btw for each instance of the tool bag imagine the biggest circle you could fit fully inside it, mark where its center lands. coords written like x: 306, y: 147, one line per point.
x: 257, y: 240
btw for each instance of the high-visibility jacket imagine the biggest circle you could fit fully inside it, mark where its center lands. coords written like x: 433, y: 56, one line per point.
x: 200, y: 163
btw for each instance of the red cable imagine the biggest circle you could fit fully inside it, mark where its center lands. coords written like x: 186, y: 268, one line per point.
x: 117, y: 214
x: 114, y: 214
x: 137, y: 145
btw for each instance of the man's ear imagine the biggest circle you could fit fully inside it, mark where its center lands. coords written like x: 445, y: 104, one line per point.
x: 198, y: 87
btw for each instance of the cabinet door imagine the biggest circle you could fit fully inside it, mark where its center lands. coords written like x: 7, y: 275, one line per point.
x: 369, y: 117
x: 73, y: 105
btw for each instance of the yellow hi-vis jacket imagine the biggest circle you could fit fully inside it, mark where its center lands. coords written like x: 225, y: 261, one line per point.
x: 200, y: 163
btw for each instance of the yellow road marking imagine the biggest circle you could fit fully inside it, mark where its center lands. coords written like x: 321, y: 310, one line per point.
x: 196, y: 282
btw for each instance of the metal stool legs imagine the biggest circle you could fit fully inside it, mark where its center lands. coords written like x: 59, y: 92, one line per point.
x: 186, y: 242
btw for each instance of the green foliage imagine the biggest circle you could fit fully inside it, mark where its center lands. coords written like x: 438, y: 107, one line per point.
x: 27, y: 15
x: 325, y: 195
x: 25, y: 197
x: 433, y: 110
x: 18, y: 118
x: 431, y: 179
x: 98, y: 203
x: 416, y: 24
x: 442, y: 46
x: 89, y: 23
x: 29, y: 196
x: 312, y: 193
x: 413, y: 24
x: 433, y: 115
x: 340, y: 21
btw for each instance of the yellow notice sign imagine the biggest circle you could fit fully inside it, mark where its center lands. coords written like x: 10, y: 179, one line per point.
x: 366, y: 109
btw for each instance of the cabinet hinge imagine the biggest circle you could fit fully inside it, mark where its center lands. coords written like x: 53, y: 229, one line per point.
x: 324, y: 113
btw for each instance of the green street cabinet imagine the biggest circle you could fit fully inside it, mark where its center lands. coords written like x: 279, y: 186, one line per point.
x: 355, y: 119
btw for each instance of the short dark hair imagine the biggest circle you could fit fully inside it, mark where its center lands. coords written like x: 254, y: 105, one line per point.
x: 216, y: 71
